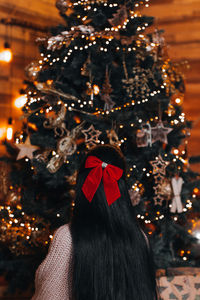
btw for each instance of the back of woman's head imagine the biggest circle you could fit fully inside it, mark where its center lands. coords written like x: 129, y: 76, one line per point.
x: 111, y: 259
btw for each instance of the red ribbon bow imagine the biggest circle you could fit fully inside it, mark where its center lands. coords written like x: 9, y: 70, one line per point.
x: 110, y: 175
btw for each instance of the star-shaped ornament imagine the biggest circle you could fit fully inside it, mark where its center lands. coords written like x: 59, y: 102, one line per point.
x: 91, y: 136
x: 26, y: 149
x: 159, y: 165
x: 159, y: 133
x: 158, y: 178
x: 158, y: 200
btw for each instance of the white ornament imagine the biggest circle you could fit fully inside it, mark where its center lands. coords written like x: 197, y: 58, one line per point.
x: 177, y: 205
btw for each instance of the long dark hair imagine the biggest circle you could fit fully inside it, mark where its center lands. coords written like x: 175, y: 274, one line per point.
x: 111, y: 258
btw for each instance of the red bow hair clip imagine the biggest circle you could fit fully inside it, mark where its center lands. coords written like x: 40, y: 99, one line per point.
x: 101, y: 170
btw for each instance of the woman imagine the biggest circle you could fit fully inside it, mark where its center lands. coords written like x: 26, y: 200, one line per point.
x: 102, y: 254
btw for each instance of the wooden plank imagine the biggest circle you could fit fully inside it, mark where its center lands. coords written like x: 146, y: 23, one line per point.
x: 185, y: 51
x: 38, y: 11
x: 174, y: 9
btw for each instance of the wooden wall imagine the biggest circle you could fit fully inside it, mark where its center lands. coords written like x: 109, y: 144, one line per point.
x: 40, y: 14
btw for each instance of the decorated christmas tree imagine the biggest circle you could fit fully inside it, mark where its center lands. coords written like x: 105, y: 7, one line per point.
x: 101, y: 79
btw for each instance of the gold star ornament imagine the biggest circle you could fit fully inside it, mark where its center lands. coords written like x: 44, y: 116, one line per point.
x: 91, y: 136
x: 159, y: 165
x: 26, y: 149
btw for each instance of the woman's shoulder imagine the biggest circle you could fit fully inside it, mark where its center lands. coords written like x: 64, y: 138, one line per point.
x: 62, y: 235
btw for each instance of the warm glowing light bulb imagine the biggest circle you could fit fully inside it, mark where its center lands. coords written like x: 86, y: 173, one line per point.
x: 20, y: 101
x: 6, y: 53
x: 9, y: 133
x: 96, y: 89
x: 176, y: 151
x: 196, y: 190
x: 178, y: 100
x: 9, y: 130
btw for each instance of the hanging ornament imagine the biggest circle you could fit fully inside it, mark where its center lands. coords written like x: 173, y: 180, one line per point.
x: 128, y: 82
x: 166, y: 189
x: 159, y: 49
x: 45, y: 88
x: 138, y: 84
x: 120, y: 17
x: 72, y: 178
x: 57, y: 123
x: 85, y: 69
x: 159, y: 170
x: 90, y: 91
x: 143, y: 136
x: 66, y: 146
x: 32, y: 70
x: 159, y: 165
x: 26, y: 149
x: 62, y: 5
x: 113, y: 137
x: 109, y: 103
x: 163, y: 191
x: 171, y: 110
x: 157, y: 38
x: 134, y: 196
x: 176, y: 205
x: 159, y: 132
x: 13, y: 198
x: 55, y: 163
x: 158, y: 178
x: 91, y: 136
x: 105, y: 93
x: 158, y: 199
x: 43, y: 157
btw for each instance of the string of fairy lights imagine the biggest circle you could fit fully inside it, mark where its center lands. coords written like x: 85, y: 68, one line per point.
x: 102, y: 40
x: 88, y: 3
x: 16, y: 226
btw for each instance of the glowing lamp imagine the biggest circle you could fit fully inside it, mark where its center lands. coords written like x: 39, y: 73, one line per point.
x: 20, y: 101
x: 6, y: 54
x: 9, y: 131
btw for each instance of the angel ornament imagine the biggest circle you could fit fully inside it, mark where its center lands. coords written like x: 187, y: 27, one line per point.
x: 176, y: 205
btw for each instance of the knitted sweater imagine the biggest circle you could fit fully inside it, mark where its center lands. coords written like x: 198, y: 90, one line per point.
x: 53, y: 279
